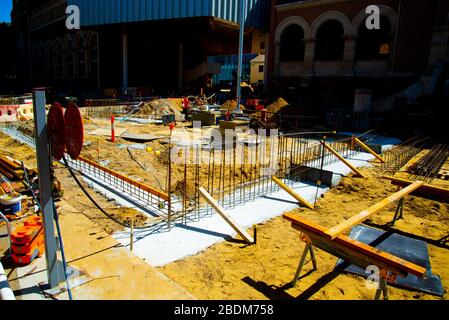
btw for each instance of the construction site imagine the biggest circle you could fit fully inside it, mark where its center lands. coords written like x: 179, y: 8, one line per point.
x: 225, y: 194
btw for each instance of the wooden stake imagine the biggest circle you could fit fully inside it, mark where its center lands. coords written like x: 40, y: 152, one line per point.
x: 369, y: 150
x: 297, y: 197
x: 349, y: 165
x: 225, y: 216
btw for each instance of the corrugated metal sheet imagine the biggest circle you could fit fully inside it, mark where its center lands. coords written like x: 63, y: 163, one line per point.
x: 100, y: 12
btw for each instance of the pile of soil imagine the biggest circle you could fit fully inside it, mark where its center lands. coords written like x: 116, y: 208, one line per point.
x: 163, y: 107
x: 27, y: 127
x: 231, y: 271
x: 231, y: 106
x: 273, y: 108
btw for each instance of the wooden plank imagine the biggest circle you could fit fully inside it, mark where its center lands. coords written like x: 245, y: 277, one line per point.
x: 225, y: 216
x: 354, y: 251
x: 426, y: 191
x: 6, y: 173
x: 347, y: 163
x: 5, y: 186
x: 9, y: 162
x: 362, y: 216
x: 369, y: 150
x: 297, y: 197
x: 153, y: 191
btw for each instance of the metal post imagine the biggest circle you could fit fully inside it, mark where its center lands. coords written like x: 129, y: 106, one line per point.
x: 125, y: 60
x: 180, y: 66
x: 241, y: 44
x: 8, y: 228
x: 301, y: 264
x: 131, y: 236
x: 45, y: 190
x: 382, y: 290
x: 113, y: 129
x: 399, y: 212
x: 169, y: 183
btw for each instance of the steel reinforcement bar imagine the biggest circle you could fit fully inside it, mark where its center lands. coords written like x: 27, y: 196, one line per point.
x: 146, y: 198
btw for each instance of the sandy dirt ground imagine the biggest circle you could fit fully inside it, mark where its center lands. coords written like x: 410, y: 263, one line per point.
x: 231, y: 270
x: 264, y: 271
x: 106, y: 270
x: 113, y: 272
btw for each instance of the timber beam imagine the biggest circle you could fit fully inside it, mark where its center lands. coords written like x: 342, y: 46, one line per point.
x: 354, y: 251
x: 426, y: 191
x: 365, y: 214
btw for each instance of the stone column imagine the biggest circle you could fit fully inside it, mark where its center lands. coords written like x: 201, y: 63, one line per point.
x: 363, y: 101
x: 277, y: 59
x: 309, y: 57
x: 125, y: 59
x: 180, y: 66
x: 349, y: 55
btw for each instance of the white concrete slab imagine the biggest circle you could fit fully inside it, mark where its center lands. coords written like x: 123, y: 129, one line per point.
x: 159, y: 249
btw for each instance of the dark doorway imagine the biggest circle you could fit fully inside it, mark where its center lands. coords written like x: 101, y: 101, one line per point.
x: 329, y: 41
x: 292, y: 44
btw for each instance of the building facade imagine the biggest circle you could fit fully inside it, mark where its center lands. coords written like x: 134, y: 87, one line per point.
x: 258, y: 70
x: 322, y: 50
x: 7, y: 59
x: 157, y: 46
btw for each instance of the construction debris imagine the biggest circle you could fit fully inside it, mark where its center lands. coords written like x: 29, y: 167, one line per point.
x: 231, y: 105
x: 163, y: 107
x: 270, y: 117
x: 12, y: 170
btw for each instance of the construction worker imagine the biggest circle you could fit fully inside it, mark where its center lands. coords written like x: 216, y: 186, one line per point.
x: 186, y: 108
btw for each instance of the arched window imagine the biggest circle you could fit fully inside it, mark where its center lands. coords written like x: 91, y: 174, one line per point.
x: 93, y: 46
x: 36, y: 60
x: 292, y: 43
x: 70, y: 56
x: 60, y: 60
x: 374, y: 44
x: 45, y: 61
x: 51, y: 60
x: 41, y: 61
x: 330, y: 43
x: 81, y: 57
x: 9, y: 113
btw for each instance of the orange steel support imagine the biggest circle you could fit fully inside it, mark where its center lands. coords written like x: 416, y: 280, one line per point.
x: 362, y: 216
x: 160, y: 194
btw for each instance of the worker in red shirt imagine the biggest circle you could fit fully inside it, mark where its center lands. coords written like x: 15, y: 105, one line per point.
x: 186, y: 108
